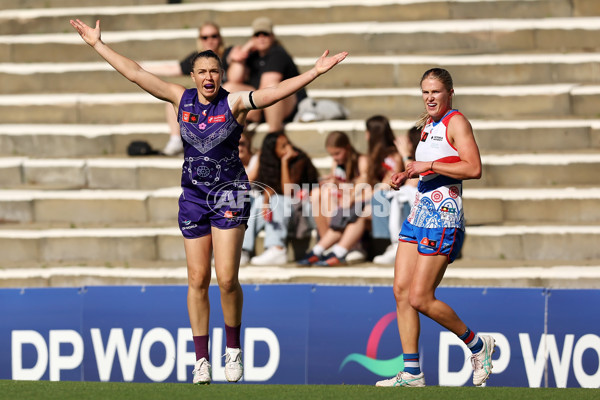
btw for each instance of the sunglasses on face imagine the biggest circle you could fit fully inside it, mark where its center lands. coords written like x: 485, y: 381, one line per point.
x: 257, y: 34
x: 215, y: 36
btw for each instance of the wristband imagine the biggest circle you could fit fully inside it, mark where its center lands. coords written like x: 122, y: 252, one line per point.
x: 252, y: 101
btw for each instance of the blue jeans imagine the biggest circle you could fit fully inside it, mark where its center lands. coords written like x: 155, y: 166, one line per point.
x: 389, y: 209
x: 276, y: 231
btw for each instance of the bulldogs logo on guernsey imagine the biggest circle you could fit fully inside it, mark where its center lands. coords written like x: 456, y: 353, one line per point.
x: 210, y: 137
x: 438, y: 203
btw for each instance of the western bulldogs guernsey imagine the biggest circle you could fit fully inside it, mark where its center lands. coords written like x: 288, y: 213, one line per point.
x: 438, y: 203
x: 210, y: 137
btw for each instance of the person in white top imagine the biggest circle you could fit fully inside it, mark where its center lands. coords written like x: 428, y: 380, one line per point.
x: 432, y: 235
x: 391, y: 207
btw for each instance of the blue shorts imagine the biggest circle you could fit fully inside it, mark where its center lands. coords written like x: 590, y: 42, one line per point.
x: 196, y: 220
x: 434, y: 241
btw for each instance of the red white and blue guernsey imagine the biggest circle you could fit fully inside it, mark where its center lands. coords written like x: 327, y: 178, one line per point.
x: 436, y: 220
x: 213, y: 175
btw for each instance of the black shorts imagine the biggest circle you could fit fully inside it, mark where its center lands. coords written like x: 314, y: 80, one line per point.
x: 345, y: 216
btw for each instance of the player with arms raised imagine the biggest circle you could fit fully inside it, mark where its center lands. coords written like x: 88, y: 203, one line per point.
x: 211, y: 122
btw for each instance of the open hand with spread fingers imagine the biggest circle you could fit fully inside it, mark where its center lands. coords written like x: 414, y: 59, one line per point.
x: 325, y: 63
x: 90, y: 35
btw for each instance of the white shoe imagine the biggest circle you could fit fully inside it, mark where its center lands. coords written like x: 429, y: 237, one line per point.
x: 403, y: 379
x: 244, y: 258
x: 482, y: 360
x: 272, y: 256
x: 174, y: 146
x: 355, y: 256
x: 234, y: 369
x: 388, y: 257
x: 202, y: 372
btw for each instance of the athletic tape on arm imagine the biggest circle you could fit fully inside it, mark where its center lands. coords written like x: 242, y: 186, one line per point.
x: 246, y: 97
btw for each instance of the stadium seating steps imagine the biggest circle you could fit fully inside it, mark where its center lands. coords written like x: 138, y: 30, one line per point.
x: 76, y: 210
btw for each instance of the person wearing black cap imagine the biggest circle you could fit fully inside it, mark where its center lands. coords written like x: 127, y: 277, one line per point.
x: 263, y: 62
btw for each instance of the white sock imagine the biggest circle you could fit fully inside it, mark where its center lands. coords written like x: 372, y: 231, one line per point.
x: 339, y: 251
x: 318, y: 250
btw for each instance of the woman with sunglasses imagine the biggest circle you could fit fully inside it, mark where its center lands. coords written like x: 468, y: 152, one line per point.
x: 212, y: 209
x: 262, y: 62
x: 209, y: 38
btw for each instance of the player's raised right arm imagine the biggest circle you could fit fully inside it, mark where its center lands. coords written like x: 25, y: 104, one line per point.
x: 128, y: 68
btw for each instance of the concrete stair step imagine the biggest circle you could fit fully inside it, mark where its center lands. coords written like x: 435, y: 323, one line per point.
x: 515, y: 274
x: 525, y: 170
x: 101, y: 173
x: 71, y: 140
x: 152, y: 173
x: 89, y: 207
x: 85, y: 208
x: 511, y: 102
x: 40, y: 6
x: 548, y: 242
x: 91, y: 245
x: 93, y: 77
x: 154, y: 15
x: 465, y: 36
x: 493, y: 136
x: 531, y: 206
x: 539, y: 170
x: 384, y: 71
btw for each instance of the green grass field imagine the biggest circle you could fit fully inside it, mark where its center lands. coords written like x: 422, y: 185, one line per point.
x: 146, y: 391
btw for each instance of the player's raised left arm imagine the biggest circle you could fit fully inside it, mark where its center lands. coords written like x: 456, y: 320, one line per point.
x: 270, y: 95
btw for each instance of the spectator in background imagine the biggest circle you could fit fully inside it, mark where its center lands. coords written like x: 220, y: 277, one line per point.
x: 340, y: 194
x: 263, y: 62
x: 248, y: 157
x: 285, y: 174
x: 391, y: 207
x: 384, y: 158
x: 209, y: 38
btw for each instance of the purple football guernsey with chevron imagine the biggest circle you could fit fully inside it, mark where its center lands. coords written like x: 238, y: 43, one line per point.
x: 210, y: 137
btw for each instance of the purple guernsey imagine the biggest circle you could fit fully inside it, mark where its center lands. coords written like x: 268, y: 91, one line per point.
x: 210, y: 135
